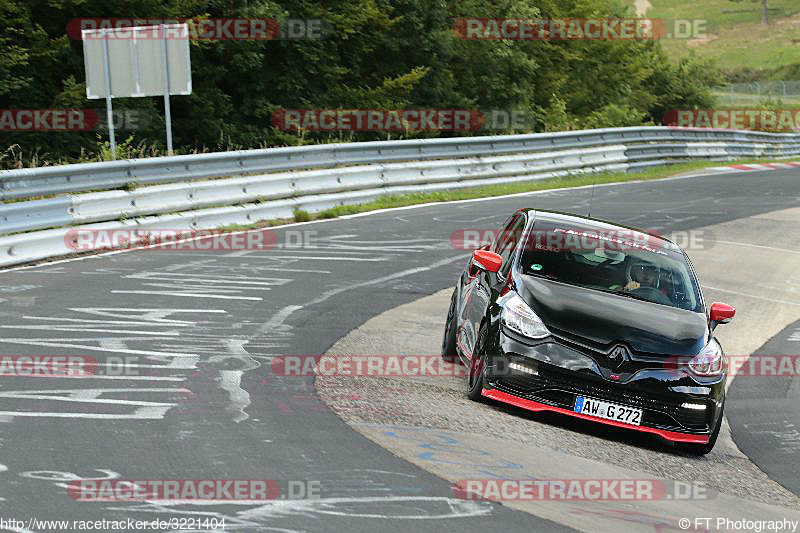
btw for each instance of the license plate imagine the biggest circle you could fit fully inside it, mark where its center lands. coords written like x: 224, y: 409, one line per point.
x: 607, y: 410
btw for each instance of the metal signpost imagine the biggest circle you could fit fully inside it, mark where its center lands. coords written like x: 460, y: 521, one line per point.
x: 137, y: 61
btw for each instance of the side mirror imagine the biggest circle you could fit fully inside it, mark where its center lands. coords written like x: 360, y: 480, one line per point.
x: 487, y: 260
x: 721, y: 313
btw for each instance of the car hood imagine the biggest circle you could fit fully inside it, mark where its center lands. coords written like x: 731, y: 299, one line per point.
x: 601, y: 319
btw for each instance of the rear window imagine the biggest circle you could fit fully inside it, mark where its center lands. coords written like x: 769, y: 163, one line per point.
x: 608, y: 262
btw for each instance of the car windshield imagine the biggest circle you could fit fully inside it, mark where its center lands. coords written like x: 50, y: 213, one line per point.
x: 645, y: 272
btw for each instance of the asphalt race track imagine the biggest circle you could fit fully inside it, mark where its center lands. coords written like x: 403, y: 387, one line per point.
x: 764, y: 417
x: 202, y: 328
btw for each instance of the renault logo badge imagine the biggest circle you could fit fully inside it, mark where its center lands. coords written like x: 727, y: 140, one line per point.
x: 619, y: 353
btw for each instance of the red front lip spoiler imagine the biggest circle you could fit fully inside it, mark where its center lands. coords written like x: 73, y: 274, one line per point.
x: 531, y: 405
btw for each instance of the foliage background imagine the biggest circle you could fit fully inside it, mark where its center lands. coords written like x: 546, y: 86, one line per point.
x: 381, y: 54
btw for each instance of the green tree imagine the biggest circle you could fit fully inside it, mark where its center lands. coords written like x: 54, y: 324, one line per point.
x: 379, y: 54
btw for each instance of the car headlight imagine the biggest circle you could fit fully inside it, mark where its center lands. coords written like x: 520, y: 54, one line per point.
x: 518, y: 317
x: 710, y: 361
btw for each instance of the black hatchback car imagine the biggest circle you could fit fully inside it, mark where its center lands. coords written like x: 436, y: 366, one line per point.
x: 594, y: 320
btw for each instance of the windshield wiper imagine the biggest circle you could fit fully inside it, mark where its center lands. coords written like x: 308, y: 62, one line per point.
x: 627, y: 294
x: 551, y: 277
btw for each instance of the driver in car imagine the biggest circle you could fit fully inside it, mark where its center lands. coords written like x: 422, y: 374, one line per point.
x: 643, y: 275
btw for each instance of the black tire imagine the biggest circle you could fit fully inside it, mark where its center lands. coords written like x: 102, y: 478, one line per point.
x: 449, y: 353
x: 477, y: 367
x: 702, y: 449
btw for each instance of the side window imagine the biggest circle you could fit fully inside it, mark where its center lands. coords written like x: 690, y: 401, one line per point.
x: 507, y: 242
x: 497, y: 239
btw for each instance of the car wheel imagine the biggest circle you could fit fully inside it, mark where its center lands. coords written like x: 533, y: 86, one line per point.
x: 702, y: 449
x: 477, y: 367
x: 449, y: 339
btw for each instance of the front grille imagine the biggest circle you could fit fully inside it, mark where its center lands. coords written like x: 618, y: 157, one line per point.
x: 600, y: 353
x: 524, y: 384
x: 554, y: 387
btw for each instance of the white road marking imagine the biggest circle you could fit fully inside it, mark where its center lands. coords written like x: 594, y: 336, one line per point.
x: 87, y: 396
x: 145, y: 313
x: 131, y: 378
x: 53, y: 344
x: 173, y: 324
x: 217, y: 280
x: 414, y: 508
x: 231, y: 380
x: 178, y: 363
x: 276, y: 322
x: 325, y: 295
x: 193, y: 286
x: 93, y: 330
x: 238, y: 253
x: 750, y: 245
x: 142, y: 413
x: 367, y: 250
x: 143, y: 409
x: 322, y: 258
x: 253, y: 267
x: 190, y: 295
x: 274, y: 326
x: 332, y: 247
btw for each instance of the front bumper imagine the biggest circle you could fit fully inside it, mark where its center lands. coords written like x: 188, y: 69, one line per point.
x: 531, y: 405
x: 557, y: 373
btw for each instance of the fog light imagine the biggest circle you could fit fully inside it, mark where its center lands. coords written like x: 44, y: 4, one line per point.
x: 523, y: 368
x: 697, y: 406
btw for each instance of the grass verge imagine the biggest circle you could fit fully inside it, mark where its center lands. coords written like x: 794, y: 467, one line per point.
x: 735, y: 38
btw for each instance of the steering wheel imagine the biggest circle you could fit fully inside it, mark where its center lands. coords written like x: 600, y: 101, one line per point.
x: 652, y: 294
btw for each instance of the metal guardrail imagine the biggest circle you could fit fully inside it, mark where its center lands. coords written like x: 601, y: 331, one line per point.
x: 27, y: 183
x: 186, y: 196
x: 26, y: 216
x: 268, y: 184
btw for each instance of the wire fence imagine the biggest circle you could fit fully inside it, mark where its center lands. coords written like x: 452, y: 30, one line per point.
x: 753, y: 92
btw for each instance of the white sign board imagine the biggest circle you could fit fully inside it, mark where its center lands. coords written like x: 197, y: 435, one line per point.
x: 135, y: 61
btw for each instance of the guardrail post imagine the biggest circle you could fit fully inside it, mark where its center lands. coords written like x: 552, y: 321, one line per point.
x: 109, y: 114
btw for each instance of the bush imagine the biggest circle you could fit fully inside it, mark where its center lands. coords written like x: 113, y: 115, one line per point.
x: 301, y: 215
